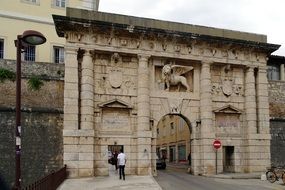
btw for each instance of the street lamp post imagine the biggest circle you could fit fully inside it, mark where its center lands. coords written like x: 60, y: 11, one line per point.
x: 29, y: 37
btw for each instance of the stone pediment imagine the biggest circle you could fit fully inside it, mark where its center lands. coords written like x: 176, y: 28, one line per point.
x: 115, y: 103
x: 228, y: 109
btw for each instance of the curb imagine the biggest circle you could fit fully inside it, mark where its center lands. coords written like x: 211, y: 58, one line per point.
x: 234, y: 177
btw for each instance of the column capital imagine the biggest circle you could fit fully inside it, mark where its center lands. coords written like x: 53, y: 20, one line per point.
x: 70, y: 49
x: 80, y: 54
x: 93, y: 54
x: 250, y: 69
x: 207, y: 62
x: 143, y: 57
x: 262, y: 69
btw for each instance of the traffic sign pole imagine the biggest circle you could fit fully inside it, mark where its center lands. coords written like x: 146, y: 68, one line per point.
x: 216, y: 161
x: 217, y: 144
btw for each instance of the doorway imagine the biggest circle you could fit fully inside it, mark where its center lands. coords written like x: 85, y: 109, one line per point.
x: 113, y: 151
x: 228, y: 159
x: 172, y: 154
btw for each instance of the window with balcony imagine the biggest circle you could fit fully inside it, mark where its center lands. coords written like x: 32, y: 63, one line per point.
x: 30, y: 53
x: 1, y: 48
x: 58, y: 54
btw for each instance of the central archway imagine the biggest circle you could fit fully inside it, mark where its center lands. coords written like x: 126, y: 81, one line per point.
x: 173, y: 143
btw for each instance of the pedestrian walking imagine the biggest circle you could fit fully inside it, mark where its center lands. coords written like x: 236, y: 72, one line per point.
x: 122, y: 162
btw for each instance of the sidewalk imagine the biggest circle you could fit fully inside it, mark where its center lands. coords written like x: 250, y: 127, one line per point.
x: 185, y: 166
x: 111, y: 182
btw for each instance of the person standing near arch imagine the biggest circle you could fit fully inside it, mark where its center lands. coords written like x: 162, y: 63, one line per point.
x: 189, y: 159
x: 122, y: 162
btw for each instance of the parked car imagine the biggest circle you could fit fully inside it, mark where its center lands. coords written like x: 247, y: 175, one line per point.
x: 160, y: 163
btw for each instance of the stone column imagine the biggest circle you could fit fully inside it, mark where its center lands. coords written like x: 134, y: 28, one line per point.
x: 87, y: 93
x: 86, y: 135
x: 250, y: 101
x: 262, y: 140
x: 262, y: 101
x: 78, y: 133
x: 143, y: 117
x: 207, y: 154
x: 250, y: 157
x: 71, y: 95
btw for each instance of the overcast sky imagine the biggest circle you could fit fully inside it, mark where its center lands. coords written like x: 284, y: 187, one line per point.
x: 255, y: 16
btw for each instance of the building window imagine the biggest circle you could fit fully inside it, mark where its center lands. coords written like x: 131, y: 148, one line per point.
x: 273, y: 72
x: 60, y: 3
x: 1, y: 48
x: 58, y: 54
x: 172, y: 128
x: 30, y: 53
x: 32, y: 1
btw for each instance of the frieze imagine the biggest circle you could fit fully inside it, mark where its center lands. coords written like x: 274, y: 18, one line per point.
x: 170, y: 46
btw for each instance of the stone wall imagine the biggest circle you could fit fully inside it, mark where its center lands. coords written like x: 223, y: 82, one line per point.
x: 277, y: 99
x: 277, y: 122
x: 277, y: 130
x: 41, y: 144
x: 41, y: 120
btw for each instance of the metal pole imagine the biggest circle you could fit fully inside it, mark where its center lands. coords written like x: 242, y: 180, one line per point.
x: 17, y: 184
x: 216, y: 161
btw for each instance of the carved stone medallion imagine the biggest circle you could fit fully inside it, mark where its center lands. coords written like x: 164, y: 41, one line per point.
x: 116, y: 78
x: 227, y: 87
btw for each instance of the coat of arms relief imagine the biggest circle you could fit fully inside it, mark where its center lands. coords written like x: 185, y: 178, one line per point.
x: 228, y: 83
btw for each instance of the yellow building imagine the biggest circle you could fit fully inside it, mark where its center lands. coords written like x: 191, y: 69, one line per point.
x: 173, y: 139
x: 16, y: 16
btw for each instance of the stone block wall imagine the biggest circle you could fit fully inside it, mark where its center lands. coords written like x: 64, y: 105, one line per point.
x: 277, y: 99
x: 41, y: 144
x: 277, y: 131
x: 41, y: 120
x: 277, y: 122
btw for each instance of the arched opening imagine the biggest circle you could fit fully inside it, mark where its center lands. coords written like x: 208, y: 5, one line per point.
x: 173, y: 143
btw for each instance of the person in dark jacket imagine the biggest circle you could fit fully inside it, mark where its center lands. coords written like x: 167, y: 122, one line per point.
x: 189, y: 159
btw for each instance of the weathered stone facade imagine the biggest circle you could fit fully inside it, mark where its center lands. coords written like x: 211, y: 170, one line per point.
x: 42, y: 122
x: 277, y: 121
x: 115, y: 93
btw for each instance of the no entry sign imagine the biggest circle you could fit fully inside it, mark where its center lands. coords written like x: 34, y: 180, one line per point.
x: 217, y: 144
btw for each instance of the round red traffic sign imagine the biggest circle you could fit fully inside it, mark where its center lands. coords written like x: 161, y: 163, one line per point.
x: 217, y: 144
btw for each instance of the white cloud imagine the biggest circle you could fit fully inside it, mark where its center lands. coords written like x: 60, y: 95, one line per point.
x: 255, y: 16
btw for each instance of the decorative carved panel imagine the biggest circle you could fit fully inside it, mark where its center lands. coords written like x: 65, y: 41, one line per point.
x: 115, y: 119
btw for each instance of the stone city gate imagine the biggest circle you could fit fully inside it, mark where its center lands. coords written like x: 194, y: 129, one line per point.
x: 123, y: 74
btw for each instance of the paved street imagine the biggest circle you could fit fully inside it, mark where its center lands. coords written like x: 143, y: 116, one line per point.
x: 178, y: 179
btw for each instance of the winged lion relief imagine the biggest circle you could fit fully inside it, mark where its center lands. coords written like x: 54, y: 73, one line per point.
x: 172, y: 75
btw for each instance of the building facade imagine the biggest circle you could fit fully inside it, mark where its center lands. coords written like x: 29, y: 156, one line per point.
x: 18, y: 16
x: 123, y: 74
x: 173, y: 139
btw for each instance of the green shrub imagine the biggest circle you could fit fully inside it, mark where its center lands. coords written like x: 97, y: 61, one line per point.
x: 7, y: 75
x: 34, y: 83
